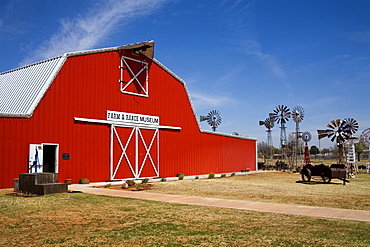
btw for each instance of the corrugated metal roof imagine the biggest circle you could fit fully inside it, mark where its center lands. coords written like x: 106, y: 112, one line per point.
x: 22, y: 89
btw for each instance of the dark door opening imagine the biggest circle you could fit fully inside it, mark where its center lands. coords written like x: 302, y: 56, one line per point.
x: 49, y: 158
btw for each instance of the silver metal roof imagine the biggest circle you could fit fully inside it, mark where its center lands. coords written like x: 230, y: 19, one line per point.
x: 22, y: 89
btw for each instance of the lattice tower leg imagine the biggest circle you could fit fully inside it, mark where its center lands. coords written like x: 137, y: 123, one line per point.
x: 269, y: 143
x: 283, y: 140
x: 295, y: 149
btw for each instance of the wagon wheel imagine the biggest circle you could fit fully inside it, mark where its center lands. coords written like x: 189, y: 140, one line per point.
x: 326, y: 179
x: 306, y: 175
x: 326, y: 175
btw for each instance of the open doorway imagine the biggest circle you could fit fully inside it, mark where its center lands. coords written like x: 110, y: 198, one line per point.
x: 50, y: 158
x: 43, y: 158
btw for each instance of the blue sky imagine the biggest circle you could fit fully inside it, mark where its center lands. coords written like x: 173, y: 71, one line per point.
x: 240, y: 57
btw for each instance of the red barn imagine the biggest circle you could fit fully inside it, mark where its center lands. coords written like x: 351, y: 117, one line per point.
x: 108, y: 114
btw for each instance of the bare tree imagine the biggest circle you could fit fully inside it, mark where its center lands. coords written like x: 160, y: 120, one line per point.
x: 265, y: 149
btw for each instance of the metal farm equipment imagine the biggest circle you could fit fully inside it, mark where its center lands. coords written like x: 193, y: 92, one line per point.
x: 326, y: 173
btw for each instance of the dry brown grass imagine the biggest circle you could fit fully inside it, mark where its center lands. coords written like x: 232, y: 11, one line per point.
x: 90, y: 220
x: 279, y: 187
x: 77, y: 219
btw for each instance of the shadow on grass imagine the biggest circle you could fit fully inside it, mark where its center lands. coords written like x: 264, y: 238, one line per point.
x: 321, y: 182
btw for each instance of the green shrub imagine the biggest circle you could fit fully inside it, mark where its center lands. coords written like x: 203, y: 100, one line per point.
x: 223, y: 175
x: 181, y: 177
x: 232, y: 174
x: 211, y: 175
x: 107, y: 185
x: 163, y: 179
x: 145, y: 180
x: 196, y: 177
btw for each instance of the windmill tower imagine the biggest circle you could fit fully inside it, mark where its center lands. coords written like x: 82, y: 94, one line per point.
x: 365, y: 139
x: 281, y: 115
x: 351, y: 127
x: 269, y: 124
x: 297, y: 115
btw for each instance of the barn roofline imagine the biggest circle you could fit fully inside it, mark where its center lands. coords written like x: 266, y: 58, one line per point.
x: 55, y: 64
x: 193, y: 108
x: 22, y: 104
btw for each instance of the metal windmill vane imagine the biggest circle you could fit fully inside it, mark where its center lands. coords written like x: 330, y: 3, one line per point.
x: 213, y: 118
x: 351, y: 126
x: 338, y: 131
x: 365, y: 137
x: 281, y: 115
x: 297, y: 115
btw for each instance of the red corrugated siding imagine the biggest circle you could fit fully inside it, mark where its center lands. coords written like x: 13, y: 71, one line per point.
x: 87, y: 86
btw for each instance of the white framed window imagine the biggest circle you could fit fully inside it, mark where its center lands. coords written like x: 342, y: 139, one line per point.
x: 134, y: 76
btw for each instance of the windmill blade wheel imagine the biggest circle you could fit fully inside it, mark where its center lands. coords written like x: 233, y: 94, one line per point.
x: 214, y: 119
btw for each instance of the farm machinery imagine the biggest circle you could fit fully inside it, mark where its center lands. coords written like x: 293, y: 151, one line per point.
x: 325, y: 172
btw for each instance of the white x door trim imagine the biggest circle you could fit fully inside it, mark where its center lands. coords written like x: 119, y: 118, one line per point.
x: 136, y: 166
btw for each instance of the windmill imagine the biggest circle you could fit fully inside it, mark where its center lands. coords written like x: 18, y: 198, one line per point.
x: 297, y: 115
x: 281, y: 115
x: 306, y: 137
x: 213, y: 119
x: 365, y: 139
x: 269, y: 124
x: 351, y: 128
x: 339, y: 131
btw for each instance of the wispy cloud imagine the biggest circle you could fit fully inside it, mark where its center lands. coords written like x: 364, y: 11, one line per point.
x: 86, y: 31
x: 207, y: 100
x: 253, y: 47
x: 242, y: 18
x: 359, y: 36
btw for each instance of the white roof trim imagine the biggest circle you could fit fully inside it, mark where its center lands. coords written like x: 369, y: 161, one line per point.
x: 229, y: 135
x: 185, y: 87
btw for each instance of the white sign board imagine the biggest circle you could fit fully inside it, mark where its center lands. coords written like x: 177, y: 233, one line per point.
x: 124, y: 117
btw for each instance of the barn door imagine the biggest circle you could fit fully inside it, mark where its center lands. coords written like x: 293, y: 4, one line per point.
x: 35, y: 158
x: 134, y: 152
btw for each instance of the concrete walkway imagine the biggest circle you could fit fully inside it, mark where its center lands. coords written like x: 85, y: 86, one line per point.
x: 319, y: 212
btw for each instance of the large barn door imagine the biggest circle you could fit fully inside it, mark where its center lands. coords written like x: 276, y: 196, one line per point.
x: 134, y: 152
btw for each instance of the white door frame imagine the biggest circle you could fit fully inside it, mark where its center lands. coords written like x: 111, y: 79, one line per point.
x: 39, y: 165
